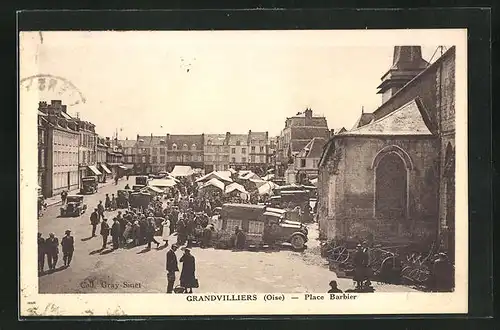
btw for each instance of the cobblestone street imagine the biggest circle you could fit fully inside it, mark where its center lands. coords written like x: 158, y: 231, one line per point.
x: 138, y: 271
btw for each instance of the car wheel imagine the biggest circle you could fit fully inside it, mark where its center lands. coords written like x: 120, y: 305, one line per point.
x: 297, y: 242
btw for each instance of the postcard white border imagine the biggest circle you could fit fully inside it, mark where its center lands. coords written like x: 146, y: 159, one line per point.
x: 34, y: 304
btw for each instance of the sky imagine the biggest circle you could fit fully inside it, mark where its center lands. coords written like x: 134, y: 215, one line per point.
x: 188, y: 82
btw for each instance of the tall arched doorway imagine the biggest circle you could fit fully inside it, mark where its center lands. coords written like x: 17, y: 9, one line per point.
x: 391, y: 184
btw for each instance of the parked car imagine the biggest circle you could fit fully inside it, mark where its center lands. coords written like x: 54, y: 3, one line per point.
x: 141, y: 180
x: 74, y: 206
x: 89, y: 185
x: 257, y: 221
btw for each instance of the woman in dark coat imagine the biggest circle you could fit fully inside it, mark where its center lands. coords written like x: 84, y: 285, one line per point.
x: 188, y: 279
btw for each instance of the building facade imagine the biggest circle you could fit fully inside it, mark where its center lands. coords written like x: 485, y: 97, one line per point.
x: 101, y: 158
x: 59, y: 158
x: 216, y: 152
x: 87, y: 149
x: 185, y: 150
x: 114, y: 158
x: 238, y: 151
x: 151, y: 154
x: 258, y: 146
x: 306, y: 163
x: 391, y: 177
x: 298, y: 132
x: 129, y: 153
x: 42, y: 152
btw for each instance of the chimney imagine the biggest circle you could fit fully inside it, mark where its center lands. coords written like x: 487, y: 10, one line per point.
x: 332, y: 132
x: 407, y: 63
x: 64, y: 108
x: 308, y: 113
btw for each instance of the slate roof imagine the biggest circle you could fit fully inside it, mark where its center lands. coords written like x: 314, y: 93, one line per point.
x: 307, y: 133
x: 313, y: 149
x: 364, y: 119
x: 216, y: 139
x: 189, y: 140
x: 152, y: 140
x: 297, y: 145
x: 243, y: 138
x: 127, y: 143
x: 406, y: 120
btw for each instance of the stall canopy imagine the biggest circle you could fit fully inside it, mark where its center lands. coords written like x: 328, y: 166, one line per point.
x: 182, y: 170
x: 268, y: 177
x: 154, y: 189
x: 123, y: 167
x: 162, y: 183
x: 213, y: 183
x: 221, y: 176
x: 247, y: 175
x: 232, y: 170
x: 94, y: 170
x: 129, y: 166
x: 315, y: 181
x: 105, y: 168
x: 259, y: 182
x: 267, y: 188
x: 235, y: 186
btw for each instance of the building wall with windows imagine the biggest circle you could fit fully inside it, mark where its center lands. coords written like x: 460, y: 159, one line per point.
x: 216, y: 152
x: 238, y: 151
x: 258, y: 146
x: 59, y: 156
x: 150, y: 154
x: 87, y: 149
x: 185, y: 150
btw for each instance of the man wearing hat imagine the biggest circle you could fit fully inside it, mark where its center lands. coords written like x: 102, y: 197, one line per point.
x: 171, y: 267
x: 104, y: 232
x: 94, y: 221
x: 52, y: 246
x: 68, y: 247
x: 361, y: 265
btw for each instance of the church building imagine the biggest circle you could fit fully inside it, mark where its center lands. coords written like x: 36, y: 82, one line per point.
x: 391, y: 177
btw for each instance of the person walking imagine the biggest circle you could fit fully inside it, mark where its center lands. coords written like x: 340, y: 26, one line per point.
x: 114, y: 205
x: 166, y: 231
x: 361, y: 265
x: 107, y: 203
x: 52, y: 245
x: 171, y: 267
x: 115, y: 233
x: 94, y: 221
x: 104, y: 233
x: 64, y: 195
x: 188, y: 279
x: 334, y: 288
x: 100, y: 210
x: 42, y: 250
x: 123, y: 224
x: 150, y: 233
x: 68, y: 247
x: 136, y: 233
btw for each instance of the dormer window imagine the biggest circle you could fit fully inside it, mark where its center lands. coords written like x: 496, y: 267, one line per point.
x: 209, y: 142
x: 193, y: 146
x: 238, y: 143
x: 174, y: 146
x: 185, y: 147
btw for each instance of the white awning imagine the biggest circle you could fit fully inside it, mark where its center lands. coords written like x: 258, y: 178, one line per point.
x: 235, y: 186
x: 181, y: 170
x: 221, y: 176
x: 123, y: 167
x: 214, y: 183
x: 94, y: 169
x: 105, y: 169
x: 162, y: 182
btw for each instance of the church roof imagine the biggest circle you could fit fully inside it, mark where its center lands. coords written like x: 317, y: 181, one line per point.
x: 364, y: 119
x: 406, y: 120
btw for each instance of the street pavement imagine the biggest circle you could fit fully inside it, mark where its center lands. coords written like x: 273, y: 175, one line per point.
x: 137, y: 270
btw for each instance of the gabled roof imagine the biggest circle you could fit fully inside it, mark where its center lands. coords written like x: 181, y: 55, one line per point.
x: 214, y: 183
x: 221, y: 176
x: 127, y: 143
x: 363, y: 120
x: 189, y: 140
x: 235, y: 186
x: 243, y: 138
x: 406, y: 120
x: 313, y: 149
x: 297, y: 145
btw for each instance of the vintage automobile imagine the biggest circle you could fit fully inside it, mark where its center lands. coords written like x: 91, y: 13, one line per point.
x: 73, y: 207
x: 140, y: 200
x: 257, y: 221
x: 89, y: 185
x: 122, y: 199
x: 141, y: 180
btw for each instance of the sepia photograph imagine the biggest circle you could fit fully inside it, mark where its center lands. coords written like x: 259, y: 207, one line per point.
x: 243, y: 167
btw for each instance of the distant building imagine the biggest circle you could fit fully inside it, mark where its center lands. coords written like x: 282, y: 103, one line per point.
x: 307, y: 160
x: 216, y: 152
x: 238, y: 151
x: 87, y: 150
x: 129, y: 153
x: 58, y: 156
x: 258, y: 144
x: 151, y: 153
x: 101, y: 155
x: 114, y: 158
x: 185, y: 150
x: 392, y: 176
x: 298, y: 132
